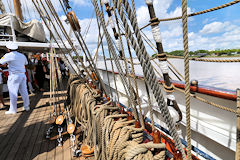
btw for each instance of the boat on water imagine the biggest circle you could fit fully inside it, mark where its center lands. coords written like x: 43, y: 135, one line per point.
x: 120, y: 107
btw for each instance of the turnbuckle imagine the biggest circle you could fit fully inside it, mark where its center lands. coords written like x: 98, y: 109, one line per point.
x: 49, y: 131
x: 60, y: 129
x: 76, y: 152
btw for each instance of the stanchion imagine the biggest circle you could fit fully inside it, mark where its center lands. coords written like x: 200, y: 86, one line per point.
x: 237, y: 156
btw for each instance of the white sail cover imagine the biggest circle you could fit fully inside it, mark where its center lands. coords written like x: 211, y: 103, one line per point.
x: 33, y: 29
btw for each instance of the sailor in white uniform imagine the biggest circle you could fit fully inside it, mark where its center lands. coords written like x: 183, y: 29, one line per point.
x: 17, y: 80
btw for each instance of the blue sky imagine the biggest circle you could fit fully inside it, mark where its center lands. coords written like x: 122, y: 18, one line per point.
x: 215, y: 30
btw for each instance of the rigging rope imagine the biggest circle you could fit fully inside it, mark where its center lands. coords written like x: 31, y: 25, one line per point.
x: 204, y: 59
x: 105, y: 63
x: 47, y: 25
x: 209, y: 102
x: 110, y: 138
x: 147, y: 68
x: 137, y: 98
x: 117, y: 63
x: 197, y: 13
x: 187, y: 82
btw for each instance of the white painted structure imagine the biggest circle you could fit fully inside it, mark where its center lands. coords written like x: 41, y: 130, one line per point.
x: 213, y: 129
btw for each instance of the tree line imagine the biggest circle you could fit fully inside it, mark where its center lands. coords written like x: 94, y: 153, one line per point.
x: 206, y: 52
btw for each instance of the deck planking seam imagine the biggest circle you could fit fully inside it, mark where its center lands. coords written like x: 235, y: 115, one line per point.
x: 26, y: 130
x: 31, y: 147
x: 22, y: 138
x: 12, y: 134
x: 40, y: 135
x: 45, y: 142
x: 30, y: 129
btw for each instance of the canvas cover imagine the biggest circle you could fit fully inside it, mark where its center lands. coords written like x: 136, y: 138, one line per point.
x: 33, y: 29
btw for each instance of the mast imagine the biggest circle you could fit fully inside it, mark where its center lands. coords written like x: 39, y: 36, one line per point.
x: 17, y: 8
x: 2, y: 7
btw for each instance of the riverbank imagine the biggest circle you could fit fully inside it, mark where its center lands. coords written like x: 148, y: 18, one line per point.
x: 222, y: 56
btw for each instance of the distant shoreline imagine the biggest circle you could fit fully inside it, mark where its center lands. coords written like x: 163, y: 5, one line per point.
x: 238, y: 55
x: 223, y: 56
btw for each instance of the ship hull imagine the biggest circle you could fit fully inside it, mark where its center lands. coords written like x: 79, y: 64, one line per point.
x: 213, y: 129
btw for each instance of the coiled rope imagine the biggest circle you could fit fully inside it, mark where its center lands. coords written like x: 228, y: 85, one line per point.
x: 111, y: 138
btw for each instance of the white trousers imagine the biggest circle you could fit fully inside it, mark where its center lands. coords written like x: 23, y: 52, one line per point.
x: 17, y: 82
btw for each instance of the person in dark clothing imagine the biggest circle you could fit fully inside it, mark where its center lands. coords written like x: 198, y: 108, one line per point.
x: 40, y: 74
x: 62, y: 68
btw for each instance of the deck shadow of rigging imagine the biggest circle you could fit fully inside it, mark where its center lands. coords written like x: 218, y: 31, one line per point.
x: 11, y: 137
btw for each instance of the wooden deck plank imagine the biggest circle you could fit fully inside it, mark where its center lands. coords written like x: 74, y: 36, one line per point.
x: 14, y: 131
x: 40, y: 137
x: 27, y: 140
x: 45, y: 142
x: 67, y: 152
x: 38, y: 127
x: 22, y: 136
x: 51, y: 151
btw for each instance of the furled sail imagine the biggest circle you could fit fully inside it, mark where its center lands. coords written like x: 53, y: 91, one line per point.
x: 33, y: 29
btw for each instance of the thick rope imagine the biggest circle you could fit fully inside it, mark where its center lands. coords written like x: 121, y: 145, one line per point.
x: 135, y: 82
x: 49, y: 28
x: 197, y: 13
x: 147, y: 68
x: 215, y: 60
x: 115, y: 57
x: 204, y: 59
x: 208, y: 102
x: 187, y: 82
x: 126, y: 66
x: 111, y: 138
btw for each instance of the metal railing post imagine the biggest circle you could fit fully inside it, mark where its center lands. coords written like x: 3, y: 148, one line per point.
x: 237, y: 155
x: 12, y: 28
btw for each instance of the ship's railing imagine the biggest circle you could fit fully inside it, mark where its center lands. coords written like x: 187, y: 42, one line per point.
x: 7, y: 37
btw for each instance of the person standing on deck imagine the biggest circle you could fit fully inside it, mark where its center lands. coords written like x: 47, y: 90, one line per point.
x: 17, y: 80
x: 62, y: 68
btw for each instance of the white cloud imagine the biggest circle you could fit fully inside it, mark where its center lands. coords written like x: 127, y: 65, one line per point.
x: 215, y: 27
x: 81, y: 2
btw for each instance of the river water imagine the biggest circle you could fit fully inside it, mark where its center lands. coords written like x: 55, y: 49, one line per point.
x: 220, y: 75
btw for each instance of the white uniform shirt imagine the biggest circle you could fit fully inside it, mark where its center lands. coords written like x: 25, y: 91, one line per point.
x: 16, y: 62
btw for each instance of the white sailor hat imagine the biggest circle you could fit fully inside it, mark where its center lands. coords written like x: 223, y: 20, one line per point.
x: 11, y: 45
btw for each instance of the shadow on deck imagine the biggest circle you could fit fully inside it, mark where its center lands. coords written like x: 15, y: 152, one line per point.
x: 22, y: 136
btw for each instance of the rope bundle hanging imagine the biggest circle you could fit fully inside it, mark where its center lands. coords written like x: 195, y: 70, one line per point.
x: 147, y: 67
x: 106, y: 131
